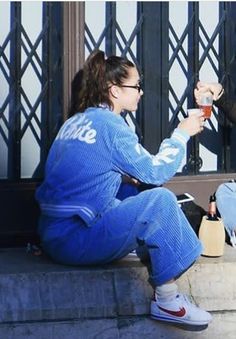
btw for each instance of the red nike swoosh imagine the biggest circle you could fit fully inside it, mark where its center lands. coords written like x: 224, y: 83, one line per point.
x: 179, y: 313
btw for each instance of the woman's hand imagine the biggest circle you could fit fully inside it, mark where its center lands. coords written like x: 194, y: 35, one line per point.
x: 214, y: 88
x: 192, y: 125
x: 128, y: 180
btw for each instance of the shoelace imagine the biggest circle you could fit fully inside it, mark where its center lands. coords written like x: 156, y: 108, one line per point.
x: 186, y: 299
x: 233, y: 239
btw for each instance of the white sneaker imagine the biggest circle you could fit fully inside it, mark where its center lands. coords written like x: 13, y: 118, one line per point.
x: 179, y: 310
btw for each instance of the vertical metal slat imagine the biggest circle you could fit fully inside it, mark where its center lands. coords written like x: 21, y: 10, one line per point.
x: 14, y: 146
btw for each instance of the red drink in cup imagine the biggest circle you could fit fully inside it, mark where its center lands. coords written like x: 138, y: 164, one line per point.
x: 206, y: 109
x: 205, y: 104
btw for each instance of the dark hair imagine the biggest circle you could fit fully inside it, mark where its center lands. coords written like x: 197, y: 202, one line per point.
x: 90, y: 87
x: 76, y: 86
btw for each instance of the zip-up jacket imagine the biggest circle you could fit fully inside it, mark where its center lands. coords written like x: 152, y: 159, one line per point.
x: 88, y: 158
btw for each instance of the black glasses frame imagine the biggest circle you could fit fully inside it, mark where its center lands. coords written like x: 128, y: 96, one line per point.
x: 138, y: 87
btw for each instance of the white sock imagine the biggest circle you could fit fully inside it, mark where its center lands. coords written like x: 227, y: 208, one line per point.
x: 166, y: 292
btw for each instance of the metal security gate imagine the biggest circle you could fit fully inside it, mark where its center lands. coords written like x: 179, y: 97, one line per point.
x: 161, y: 52
x: 23, y: 115
x: 30, y: 109
x: 171, y: 57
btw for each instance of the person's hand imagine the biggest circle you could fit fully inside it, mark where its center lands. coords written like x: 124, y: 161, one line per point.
x: 214, y: 88
x: 194, y: 124
x: 129, y: 180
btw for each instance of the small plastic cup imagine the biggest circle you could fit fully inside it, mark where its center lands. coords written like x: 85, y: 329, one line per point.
x: 194, y: 111
x: 205, y: 104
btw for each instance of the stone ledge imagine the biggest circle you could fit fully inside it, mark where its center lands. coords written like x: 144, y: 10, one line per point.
x: 35, y: 289
x: 223, y: 325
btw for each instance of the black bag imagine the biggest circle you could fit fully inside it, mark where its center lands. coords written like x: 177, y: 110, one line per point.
x: 194, y: 214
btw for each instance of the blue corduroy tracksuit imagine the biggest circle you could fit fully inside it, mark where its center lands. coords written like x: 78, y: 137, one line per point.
x: 82, y: 222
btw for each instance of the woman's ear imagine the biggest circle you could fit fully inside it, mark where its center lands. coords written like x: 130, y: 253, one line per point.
x: 115, y: 90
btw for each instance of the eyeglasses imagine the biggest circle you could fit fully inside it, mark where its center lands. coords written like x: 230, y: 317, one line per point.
x: 138, y: 87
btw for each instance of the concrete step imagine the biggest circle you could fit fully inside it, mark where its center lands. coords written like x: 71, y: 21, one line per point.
x: 223, y: 326
x: 40, y: 299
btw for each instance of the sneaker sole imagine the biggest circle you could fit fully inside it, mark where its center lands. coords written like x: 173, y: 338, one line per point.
x: 178, y: 321
x: 185, y: 327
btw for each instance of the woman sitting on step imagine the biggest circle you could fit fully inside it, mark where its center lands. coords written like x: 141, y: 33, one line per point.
x: 82, y: 221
